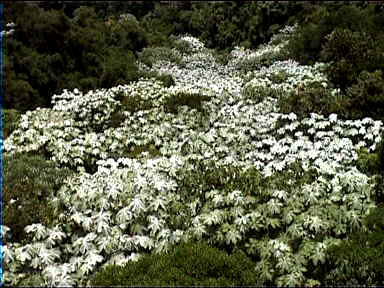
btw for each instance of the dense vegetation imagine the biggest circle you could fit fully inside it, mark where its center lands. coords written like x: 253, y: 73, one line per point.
x: 211, y: 125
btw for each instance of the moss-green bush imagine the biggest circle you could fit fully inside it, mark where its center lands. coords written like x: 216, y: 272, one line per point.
x: 188, y: 264
x: 278, y: 77
x: 368, y: 163
x: 359, y: 259
x: 363, y: 99
x: 166, y: 79
x: 151, y: 55
x: 366, y: 97
x: 136, y: 103
x: 350, y: 53
x: 134, y: 151
x: 118, y: 68
x: 10, y: 120
x: 259, y: 93
x: 221, y: 57
x: 81, y: 51
x: 29, y: 181
x: 304, y: 45
x: 346, y: 35
x: 311, y: 98
x: 194, y: 101
x: 182, y: 46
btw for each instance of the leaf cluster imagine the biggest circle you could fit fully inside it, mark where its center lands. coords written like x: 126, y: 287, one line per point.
x: 345, y: 35
x: 357, y: 260
x: 29, y: 183
x: 188, y: 264
x: 81, y: 52
x: 10, y: 119
x: 194, y: 101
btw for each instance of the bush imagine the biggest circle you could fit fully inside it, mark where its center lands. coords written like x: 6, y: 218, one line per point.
x: 81, y: 52
x: 312, y: 98
x: 10, y: 120
x: 29, y: 182
x: 259, y: 93
x: 182, y: 46
x: 189, y: 264
x: 166, y: 79
x: 194, y: 101
x: 134, y: 151
x: 366, y: 98
x: 119, y: 68
x: 304, y: 45
x: 358, y: 260
x: 149, y: 56
x: 368, y: 163
x: 350, y: 52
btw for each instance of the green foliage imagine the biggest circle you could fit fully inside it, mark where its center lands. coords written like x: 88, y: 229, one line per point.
x: 151, y: 55
x: 181, y: 45
x: 188, y: 264
x: 311, y: 98
x: 350, y: 52
x: 194, y: 101
x: 10, y: 120
x: 259, y: 90
x: 83, y: 52
x: 305, y: 44
x: 366, y: 97
x: 363, y: 99
x: 346, y: 35
x: 29, y: 182
x: 135, y: 103
x: 249, y: 64
x: 116, y: 120
x: 221, y: 57
x: 126, y: 33
x: 134, y: 151
x: 219, y: 25
x: 368, y: 163
x: 358, y: 260
x: 259, y: 93
x: 279, y: 77
x: 166, y: 79
x: 118, y: 68
x: 34, y: 280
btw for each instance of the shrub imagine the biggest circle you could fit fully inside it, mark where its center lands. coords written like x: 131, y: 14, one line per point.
x: 249, y: 64
x: 350, y: 52
x: 151, y: 55
x: 279, y: 77
x: 259, y: 93
x: 81, y: 52
x: 366, y: 97
x: 118, y: 68
x: 312, y: 98
x: 10, y: 120
x: 135, y: 103
x: 194, y: 101
x: 183, y: 46
x: 189, y: 264
x: 358, y: 260
x: 166, y: 79
x: 29, y: 182
x: 221, y: 57
x: 134, y: 151
x: 304, y: 45
x: 368, y: 163
x: 116, y: 119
